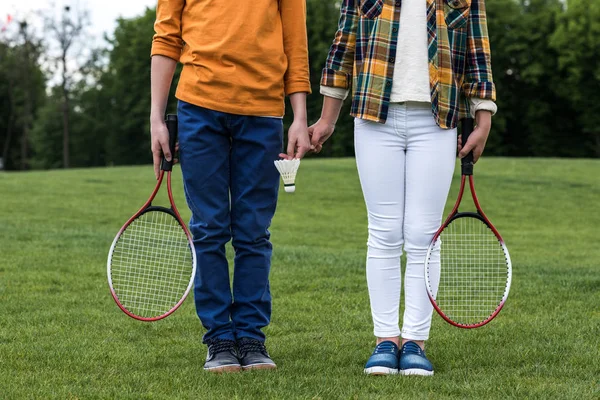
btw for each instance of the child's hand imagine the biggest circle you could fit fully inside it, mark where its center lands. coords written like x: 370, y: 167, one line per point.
x: 478, y: 138
x: 320, y: 132
x: 298, y: 141
x: 160, y: 144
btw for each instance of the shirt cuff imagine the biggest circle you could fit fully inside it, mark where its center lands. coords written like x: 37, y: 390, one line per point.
x: 478, y: 104
x: 297, y: 87
x: 335, y: 78
x: 162, y: 49
x: 336, y: 93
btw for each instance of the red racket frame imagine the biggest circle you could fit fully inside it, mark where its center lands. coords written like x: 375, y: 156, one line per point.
x: 454, y: 214
x: 166, y: 166
x: 467, y: 170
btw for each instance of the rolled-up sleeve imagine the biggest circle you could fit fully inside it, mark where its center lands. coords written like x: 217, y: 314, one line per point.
x: 167, y: 38
x: 336, y: 93
x: 477, y: 104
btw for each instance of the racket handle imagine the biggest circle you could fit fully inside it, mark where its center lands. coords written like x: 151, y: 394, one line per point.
x: 171, y: 122
x: 467, y: 161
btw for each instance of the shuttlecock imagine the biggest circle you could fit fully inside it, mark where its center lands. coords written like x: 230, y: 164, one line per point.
x: 288, y: 169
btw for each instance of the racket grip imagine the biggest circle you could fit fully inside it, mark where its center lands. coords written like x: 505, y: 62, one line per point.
x: 171, y: 122
x: 467, y: 161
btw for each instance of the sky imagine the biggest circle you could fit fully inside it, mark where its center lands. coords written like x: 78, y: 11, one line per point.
x: 103, y: 13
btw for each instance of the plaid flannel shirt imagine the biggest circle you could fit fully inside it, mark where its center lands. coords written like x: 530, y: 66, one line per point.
x: 364, y: 50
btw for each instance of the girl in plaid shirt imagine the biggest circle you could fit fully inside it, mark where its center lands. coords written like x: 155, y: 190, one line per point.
x: 416, y: 67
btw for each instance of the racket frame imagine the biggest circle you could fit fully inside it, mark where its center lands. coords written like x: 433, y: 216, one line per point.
x: 166, y: 166
x: 467, y: 170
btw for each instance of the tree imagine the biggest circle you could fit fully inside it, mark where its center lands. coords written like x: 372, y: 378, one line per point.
x: 67, y: 31
x: 21, y: 92
x: 533, y: 120
x: 7, y: 100
x: 125, y: 90
x: 577, y: 41
x: 32, y: 81
x: 47, y: 132
x: 88, y: 121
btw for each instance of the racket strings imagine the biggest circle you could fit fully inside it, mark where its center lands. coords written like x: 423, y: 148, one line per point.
x: 151, y: 264
x: 473, y: 272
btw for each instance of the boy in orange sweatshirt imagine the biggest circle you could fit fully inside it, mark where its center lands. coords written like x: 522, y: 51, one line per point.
x: 240, y: 59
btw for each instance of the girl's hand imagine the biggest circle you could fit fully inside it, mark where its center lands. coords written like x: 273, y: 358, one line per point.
x: 319, y: 133
x: 478, y: 137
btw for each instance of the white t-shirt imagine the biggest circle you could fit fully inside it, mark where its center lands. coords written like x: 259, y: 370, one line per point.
x: 411, y: 73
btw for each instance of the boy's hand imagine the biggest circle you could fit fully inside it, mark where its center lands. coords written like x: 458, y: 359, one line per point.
x: 160, y: 143
x: 319, y: 133
x: 298, y: 141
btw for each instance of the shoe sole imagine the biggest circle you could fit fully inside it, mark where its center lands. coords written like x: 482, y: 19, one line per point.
x: 416, y: 371
x: 224, y: 369
x: 259, y: 367
x: 378, y: 371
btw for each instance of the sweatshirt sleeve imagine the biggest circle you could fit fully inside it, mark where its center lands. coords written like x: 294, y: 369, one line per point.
x: 167, y: 27
x: 295, y: 46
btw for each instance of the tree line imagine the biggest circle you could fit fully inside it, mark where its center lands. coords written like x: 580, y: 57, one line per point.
x: 59, y: 109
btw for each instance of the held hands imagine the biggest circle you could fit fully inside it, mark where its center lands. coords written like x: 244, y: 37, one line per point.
x: 298, y: 140
x: 478, y: 137
x: 303, y: 140
x: 319, y: 133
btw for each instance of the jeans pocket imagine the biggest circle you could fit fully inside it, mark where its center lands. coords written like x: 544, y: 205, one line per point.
x: 371, y: 9
x: 457, y: 13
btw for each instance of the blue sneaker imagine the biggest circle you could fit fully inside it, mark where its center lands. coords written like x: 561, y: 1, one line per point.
x: 384, y: 360
x: 413, y: 361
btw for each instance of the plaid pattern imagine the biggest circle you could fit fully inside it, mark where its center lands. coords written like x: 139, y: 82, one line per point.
x: 364, y: 50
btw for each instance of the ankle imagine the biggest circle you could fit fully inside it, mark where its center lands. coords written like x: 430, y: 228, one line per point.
x: 395, y: 340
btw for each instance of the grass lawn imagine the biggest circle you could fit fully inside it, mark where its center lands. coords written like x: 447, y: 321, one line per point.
x: 62, y: 336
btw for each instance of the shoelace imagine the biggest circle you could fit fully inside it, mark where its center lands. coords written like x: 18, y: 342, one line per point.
x: 411, y: 347
x: 385, y: 347
x: 220, y: 345
x: 248, y: 346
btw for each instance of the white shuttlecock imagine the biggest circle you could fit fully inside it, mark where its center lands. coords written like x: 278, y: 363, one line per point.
x: 288, y: 169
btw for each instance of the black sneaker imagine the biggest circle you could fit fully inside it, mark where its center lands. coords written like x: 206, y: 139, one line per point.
x: 222, y: 356
x: 253, y: 354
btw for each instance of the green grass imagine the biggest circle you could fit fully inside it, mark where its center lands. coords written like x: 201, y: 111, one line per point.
x: 62, y: 336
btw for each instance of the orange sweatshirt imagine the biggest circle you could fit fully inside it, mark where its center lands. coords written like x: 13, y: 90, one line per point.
x: 238, y: 56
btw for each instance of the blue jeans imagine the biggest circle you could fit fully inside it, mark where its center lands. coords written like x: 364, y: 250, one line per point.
x: 231, y: 187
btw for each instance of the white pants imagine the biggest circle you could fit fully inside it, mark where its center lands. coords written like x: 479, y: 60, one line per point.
x: 405, y: 169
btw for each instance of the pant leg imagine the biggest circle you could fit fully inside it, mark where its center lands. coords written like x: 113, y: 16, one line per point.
x: 430, y: 161
x: 256, y: 144
x: 380, y: 160
x: 204, y: 147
